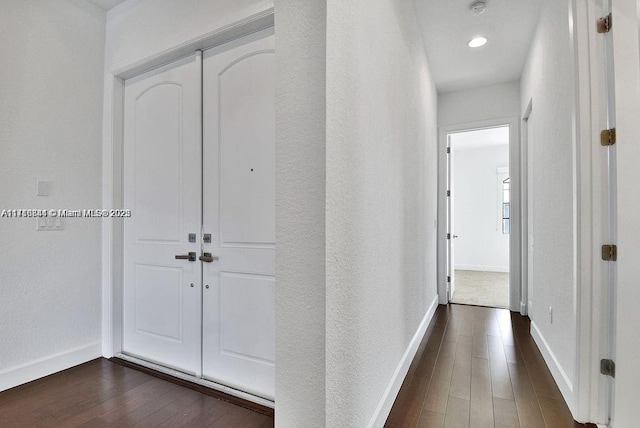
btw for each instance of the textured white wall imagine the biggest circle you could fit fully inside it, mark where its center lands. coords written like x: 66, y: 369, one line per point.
x: 300, y: 213
x: 475, y: 105
x: 50, y: 128
x: 138, y: 29
x: 627, y: 76
x: 480, y: 245
x: 548, y: 80
x: 381, y: 199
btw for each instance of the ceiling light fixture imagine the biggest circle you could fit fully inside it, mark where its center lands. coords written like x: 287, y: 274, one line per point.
x: 476, y: 42
x: 478, y: 7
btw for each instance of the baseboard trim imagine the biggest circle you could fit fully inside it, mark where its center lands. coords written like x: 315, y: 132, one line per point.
x: 32, y: 370
x: 558, y: 373
x: 391, y: 392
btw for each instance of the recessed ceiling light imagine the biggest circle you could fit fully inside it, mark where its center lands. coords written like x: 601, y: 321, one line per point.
x: 476, y: 42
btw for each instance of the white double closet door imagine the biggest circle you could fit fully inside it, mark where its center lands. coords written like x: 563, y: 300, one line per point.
x: 199, y: 177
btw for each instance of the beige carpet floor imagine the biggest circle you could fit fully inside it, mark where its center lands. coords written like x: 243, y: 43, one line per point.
x: 481, y: 288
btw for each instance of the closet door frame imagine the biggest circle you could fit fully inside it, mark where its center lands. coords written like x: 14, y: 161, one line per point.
x: 112, y: 253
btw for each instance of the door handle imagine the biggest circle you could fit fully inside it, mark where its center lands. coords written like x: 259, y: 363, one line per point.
x: 207, y: 257
x: 455, y: 236
x: 191, y: 256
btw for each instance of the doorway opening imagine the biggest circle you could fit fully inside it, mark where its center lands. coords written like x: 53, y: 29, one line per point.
x: 479, y: 216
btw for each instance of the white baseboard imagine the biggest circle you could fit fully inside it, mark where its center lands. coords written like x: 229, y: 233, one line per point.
x: 23, y: 373
x: 386, y: 402
x: 558, y: 373
x: 479, y: 268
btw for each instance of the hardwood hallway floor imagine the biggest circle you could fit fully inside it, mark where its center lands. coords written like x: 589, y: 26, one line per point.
x: 479, y: 367
x: 101, y: 393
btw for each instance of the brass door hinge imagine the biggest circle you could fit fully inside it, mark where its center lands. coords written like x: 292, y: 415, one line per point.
x: 609, y: 253
x: 608, y: 137
x: 608, y: 368
x: 604, y: 24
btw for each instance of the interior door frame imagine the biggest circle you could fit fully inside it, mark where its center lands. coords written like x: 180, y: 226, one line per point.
x: 112, y: 178
x: 515, y: 288
x: 526, y: 206
x: 451, y: 272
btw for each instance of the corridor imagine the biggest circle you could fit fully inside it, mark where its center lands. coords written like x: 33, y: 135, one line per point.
x: 479, y: 367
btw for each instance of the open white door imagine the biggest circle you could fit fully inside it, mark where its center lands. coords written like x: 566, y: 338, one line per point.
x: 239, y: 214
x: 162, y: 179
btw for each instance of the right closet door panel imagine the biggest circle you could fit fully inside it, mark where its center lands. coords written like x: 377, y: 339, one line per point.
x: 239, y: 213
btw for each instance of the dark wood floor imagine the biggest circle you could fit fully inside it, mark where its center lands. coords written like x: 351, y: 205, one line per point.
x: 102, y: 393
x: 479, y: 367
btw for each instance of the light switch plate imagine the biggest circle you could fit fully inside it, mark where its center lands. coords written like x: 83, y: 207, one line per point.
x: 43, y: 188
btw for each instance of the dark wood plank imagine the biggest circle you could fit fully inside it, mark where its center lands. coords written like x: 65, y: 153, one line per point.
x: 259, y: 421
x: 170, y: 410
x: 481, y: 405
x: 431, y: 420
x: 101, y: 393
x: 500, y: 379
x: 438, y: 394
x: 104, y: 396
x: 461, y: 377
x: 505, y: 413
x: 480, y: 346
x: 525, y: 397
x: 457, y: 413
x: 407, y: 411
x: 512, y: 355
x: 205, y: 411
x: 410, y: 415
x: 555, y: 413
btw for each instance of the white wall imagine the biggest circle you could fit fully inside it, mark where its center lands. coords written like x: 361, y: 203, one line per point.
x: 627, y: 77
x: 139, y: 29
x: 50, y: 128
x: 479, y: 104
x: 381, y: 204
x: 300, y: 213
x: 480, y: 245
x: 548, y: 80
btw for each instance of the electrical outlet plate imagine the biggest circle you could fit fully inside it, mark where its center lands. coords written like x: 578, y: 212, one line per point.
x: 45, y: 224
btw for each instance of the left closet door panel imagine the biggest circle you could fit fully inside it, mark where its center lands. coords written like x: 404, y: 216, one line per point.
x: 162, y: 186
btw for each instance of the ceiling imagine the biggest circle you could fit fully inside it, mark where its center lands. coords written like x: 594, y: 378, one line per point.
x: 480, y: 138
x: 447, y: 26
x: 106, y: 4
